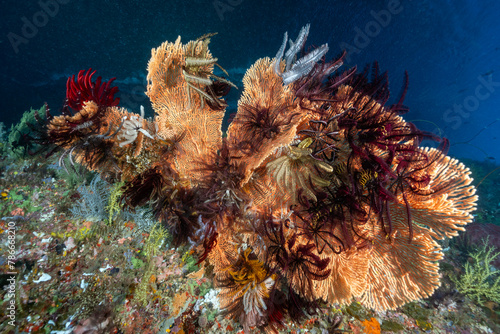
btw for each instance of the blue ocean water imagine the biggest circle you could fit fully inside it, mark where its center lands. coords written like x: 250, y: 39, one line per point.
x: 450, y: 49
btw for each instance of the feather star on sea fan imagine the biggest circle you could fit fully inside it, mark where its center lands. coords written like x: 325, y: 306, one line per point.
x: 319, y: 192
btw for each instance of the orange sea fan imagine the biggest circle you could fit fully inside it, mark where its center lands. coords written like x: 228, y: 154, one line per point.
x: 266, y: 119
x: 451, y: 200
x: 181, y: 113
x: 347, y: 279
x: 319, y: 192
x: 399, y: 271
x: 165, y: 70
x: 223, y: 255
x: 402, y: 266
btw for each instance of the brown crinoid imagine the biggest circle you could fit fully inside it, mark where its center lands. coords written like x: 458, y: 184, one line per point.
x: 320, y: 191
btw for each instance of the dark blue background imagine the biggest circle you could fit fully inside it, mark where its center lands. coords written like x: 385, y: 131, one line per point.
x: 450, y: 48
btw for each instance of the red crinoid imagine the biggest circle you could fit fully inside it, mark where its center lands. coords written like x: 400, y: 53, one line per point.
x: 83, y: 89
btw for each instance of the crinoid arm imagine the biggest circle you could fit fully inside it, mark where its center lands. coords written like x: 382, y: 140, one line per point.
x: 302, y: 67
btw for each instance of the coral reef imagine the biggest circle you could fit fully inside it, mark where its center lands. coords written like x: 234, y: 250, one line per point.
x: 480, y: 282
x: 319, y: 194
x: 92, y: 203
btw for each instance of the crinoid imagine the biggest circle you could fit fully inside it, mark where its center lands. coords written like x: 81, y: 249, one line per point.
x: 84, y: 136
x: 324, y: 136
x: 222, y: 186
x: 263, y: 122
x: 205, y: 237
x: 297, y: 169
x: 316, y: 224
x: 245, y: 290
x: 145, y: 188
x: 198, y: 73
x: 173, y: 210
x: 304, y: 65
x: 133, y: 129
x: 82, y: 89
x: 65, y: 129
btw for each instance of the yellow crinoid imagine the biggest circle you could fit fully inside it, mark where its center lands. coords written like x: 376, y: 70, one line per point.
x: 297, y: 169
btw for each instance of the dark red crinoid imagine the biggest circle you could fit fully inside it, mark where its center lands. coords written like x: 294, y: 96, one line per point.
x: 82, y: 89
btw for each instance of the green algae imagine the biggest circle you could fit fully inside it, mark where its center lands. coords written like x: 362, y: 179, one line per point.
x: 357, y: 310
x: 480, y: 282
x: 392, y: 326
